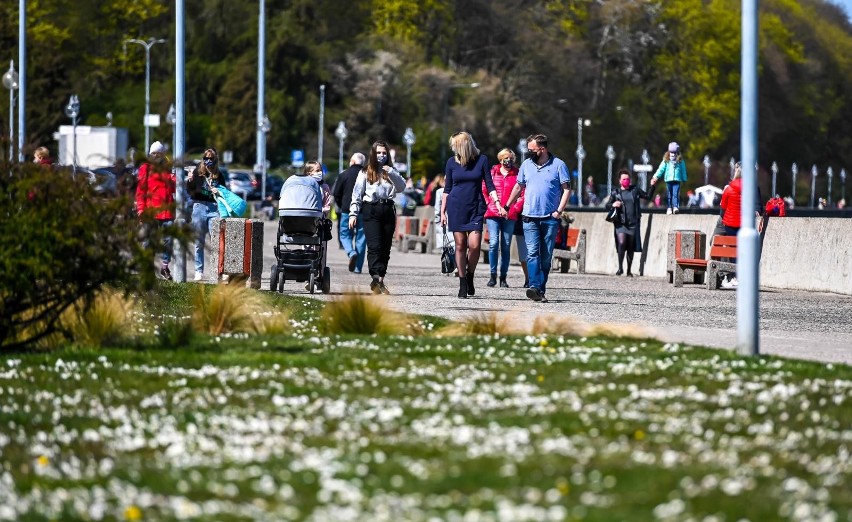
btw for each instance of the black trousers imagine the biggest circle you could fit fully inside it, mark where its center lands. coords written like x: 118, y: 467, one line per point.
x: 379, y: 223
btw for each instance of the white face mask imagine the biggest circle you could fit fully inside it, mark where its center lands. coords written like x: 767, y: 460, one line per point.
x: 317, y: 176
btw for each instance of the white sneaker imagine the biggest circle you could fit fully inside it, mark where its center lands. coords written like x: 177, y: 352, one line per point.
x: 729, y: 283
x: 199, y: 275
x: 675, y: 211
x: 735, y: 283
x: 668, y: 212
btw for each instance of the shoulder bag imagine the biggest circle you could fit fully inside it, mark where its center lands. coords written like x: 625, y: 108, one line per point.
x: 448, y: 255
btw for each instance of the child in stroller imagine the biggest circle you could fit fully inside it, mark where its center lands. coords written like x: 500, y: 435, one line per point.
x: 303, y: 234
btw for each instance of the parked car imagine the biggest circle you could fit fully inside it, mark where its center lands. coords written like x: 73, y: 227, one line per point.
x: 273, y: 186
x: 243, y: 183
x: 102, y: 180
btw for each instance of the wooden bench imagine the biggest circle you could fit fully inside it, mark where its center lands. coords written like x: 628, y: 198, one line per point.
x: 405, y: 225
x: 576, y: 243
x: 421, y: 231
x: 722, y: 247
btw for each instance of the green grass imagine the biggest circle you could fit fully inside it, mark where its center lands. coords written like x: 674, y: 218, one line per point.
x: 331, y: 427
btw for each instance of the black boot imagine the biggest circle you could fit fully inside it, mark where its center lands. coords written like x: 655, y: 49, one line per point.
x: 470, y: 289
x: 493, y: 281
x: 526, y: 282
x: 463, y: 287
x: 503, y: 283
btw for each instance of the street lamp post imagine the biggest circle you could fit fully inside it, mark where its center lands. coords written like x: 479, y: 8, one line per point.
x: 794, y: 170
x: 341, y: 134
x: 814, y: 173
x: 410, y: 139
x: 644, y: 174
x: 72, y: 110
x: 321, y: 123
x: 707, y: 165
x: 830, y: 173
x: 733, y: 165
x: 10, y: 81
x: 444, y: 135
x: 522, y: 150
x: 581, y: 155
x: 610, y: 157
x: 151, y: 42
x: 264, y: 126
x: 774, y: 177
x: 843, y: 184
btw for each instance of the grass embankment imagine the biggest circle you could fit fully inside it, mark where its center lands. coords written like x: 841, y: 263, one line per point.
x: 306, y: 425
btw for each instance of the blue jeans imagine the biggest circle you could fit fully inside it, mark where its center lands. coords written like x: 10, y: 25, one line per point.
x: 360, y: 248
x: 540, y: 236
x: 673, y: 194
x: 500, y: 232
x: 202, y: 213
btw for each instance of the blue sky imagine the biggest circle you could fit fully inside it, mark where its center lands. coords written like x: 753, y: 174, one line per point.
x: 846, y: 5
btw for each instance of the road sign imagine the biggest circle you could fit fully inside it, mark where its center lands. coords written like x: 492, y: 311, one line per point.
x: 643, y: 168
x: 152, y: 120
x: 297, y: 158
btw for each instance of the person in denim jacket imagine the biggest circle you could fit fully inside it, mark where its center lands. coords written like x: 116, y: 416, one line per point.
x: 673, y: 171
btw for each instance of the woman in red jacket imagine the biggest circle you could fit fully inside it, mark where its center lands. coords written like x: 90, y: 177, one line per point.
x: 155, y: 193
x: 501, y: 229
x: 731, y: 204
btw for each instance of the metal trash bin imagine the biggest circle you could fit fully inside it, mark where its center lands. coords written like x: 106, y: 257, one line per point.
x: 686, y: 244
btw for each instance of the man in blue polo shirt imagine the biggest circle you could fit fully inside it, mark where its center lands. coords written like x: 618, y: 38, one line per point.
x: 546, y: 182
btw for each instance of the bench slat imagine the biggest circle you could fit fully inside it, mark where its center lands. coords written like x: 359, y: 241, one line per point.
x: 691, y: 262
x: 723, y: 251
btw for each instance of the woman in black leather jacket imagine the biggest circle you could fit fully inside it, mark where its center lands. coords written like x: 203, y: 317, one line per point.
x: 627, y: 237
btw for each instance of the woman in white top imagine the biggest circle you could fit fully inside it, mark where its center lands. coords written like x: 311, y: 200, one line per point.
x: 372, y: 197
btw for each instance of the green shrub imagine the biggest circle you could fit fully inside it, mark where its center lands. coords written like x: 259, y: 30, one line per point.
x: 61, y: 243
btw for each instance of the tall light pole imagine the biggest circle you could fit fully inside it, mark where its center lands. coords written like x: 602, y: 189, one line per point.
x: 321, y: 123
x: 794, y: 170
x: 830, y: 173
x: 261, y: 89
x: 581, y: 155
x: 444, y: 136
x: 151, y: 42
x: 180, y: 131
x: 72, y: 110
x: 10, y: 81
x: 264, y: 125
x: 22, y: 77
x: 410, y: 139
x: 814, y: 173
x: 707, y: 165
x: 610, y: 157
x: 644, y: 173
x: 341, y: 134
x: 843, y: 185
x: 774, y: 177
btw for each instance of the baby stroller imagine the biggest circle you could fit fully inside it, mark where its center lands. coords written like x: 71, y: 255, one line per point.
x: 300, y: 250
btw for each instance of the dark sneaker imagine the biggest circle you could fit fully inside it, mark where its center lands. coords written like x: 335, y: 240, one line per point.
x: 493, y: 281
x: 543, y: 299
x: 375, y: 287
x: 534, y: 294
x: 383, y: 289
x: 165, y: 273
x: 503, y: 283
x: 352, y: 261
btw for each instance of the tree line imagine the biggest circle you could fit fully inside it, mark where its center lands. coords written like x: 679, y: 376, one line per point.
x: 644, y: 72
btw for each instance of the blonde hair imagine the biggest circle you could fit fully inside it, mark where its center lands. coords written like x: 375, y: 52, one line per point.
x: 311, y: 167
x: 505, y: 153
x: 465, y: 148
x: 41, y: 153
x: 203, y: 169
x: 738, y: 171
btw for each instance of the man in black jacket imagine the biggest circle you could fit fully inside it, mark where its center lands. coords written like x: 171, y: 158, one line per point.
x: 342, y: 193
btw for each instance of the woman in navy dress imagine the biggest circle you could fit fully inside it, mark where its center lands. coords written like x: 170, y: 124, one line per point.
x: 463, y: 206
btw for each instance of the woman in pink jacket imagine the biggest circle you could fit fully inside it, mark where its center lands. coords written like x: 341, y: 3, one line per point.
x: 501, y: 229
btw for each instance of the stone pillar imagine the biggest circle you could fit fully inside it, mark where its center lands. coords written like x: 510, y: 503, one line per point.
x: 237, y: 249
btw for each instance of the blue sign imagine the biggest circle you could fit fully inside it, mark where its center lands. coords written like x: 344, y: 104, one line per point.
x: 297, y: 158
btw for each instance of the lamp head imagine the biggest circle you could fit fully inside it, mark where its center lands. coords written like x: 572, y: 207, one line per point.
x: 341, y: 131
x: 10, y: 79
x: 72, y: 109
x: 409, y: 137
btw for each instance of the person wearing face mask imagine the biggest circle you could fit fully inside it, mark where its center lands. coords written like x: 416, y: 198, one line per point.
x: 501, y: 228
x: 155, y: 193
x: 314, y: 170
x: 463, y: 207
x: 546, y: 183
x: 372, y: 199
x: 202, y: 185
x: 628, y: 240
x: 673, y: 171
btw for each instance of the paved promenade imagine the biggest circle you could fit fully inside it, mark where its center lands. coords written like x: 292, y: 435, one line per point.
x: 804, y: 325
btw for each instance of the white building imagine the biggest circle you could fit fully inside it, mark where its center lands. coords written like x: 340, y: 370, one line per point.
x: 96, y: 146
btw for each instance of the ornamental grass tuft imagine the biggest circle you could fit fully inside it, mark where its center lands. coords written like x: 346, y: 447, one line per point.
x: 359, y: 314
x: 485, y: 323
x: 225, y: 309
x: 104, y: 321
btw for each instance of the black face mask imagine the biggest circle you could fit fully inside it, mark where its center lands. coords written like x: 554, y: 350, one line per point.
x: 533, y: 155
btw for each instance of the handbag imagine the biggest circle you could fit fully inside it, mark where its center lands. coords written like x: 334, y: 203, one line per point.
x: 614, y: 216
x: 448, y: 255
x: 230, y: 204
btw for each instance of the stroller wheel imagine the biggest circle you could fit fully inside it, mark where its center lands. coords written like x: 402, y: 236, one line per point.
x: 326, y: 280
x: 312, y: 282
x: 273, y: 279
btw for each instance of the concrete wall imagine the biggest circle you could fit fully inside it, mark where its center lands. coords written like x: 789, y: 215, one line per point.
x: 798, y: 253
